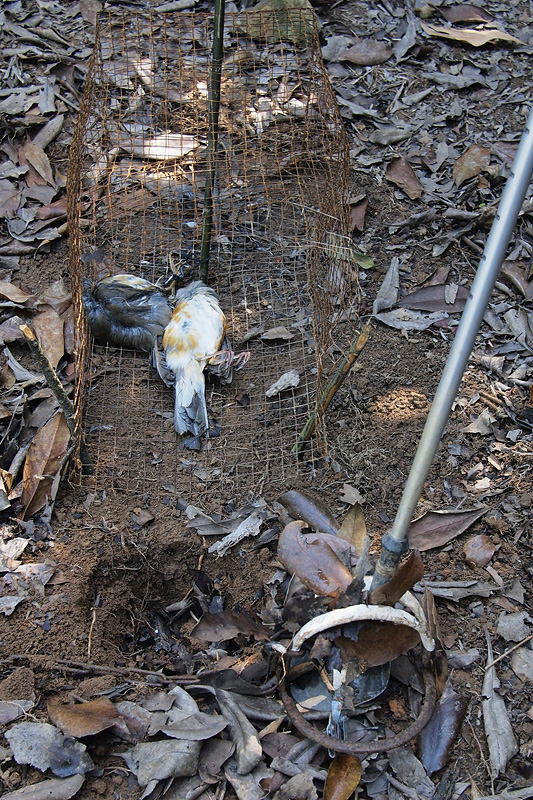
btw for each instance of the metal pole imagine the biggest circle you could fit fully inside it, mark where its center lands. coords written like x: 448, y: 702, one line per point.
x: 212, y: 136
x: 394, y: 542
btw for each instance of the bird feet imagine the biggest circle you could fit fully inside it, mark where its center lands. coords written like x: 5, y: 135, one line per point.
x: 226, y: 358
x: 238, y: 362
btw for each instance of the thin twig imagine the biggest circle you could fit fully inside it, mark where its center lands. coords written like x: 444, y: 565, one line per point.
x: 481, y: 754
x: 406, y: 790
x: 91, y: 629
x: 84, y: 668
x: 333, y: 386
x: 514, y: 647
x: 512, y: 794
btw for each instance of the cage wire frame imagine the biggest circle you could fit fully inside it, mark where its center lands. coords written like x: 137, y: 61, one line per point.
x: 280, y: 257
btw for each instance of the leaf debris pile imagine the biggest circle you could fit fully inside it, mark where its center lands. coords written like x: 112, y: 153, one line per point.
x: 224, y: 723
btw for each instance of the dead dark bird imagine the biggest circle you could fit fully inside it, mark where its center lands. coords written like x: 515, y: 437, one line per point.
x: 126, y: 311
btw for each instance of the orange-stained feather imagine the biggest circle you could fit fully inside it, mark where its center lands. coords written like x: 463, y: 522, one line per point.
x: 194, y: 334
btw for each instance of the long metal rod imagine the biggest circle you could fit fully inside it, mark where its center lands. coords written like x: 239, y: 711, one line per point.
x: 212, y: 137
x: 395, y: 541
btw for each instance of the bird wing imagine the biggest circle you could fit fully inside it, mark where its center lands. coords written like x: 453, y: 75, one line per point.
x: 128, y: 299
x: 159, y: 362
x: 220, y: 364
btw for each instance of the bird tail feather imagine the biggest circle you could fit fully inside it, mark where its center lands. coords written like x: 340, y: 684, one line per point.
x: 190, y: 412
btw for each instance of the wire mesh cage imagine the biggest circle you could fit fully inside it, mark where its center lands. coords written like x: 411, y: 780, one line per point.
x: 136, y: 185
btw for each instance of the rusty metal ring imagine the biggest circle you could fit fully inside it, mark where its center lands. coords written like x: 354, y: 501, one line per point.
x: 359, y: 748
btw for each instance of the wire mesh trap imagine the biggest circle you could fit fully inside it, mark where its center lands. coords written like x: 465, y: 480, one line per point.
x: 278, y: 259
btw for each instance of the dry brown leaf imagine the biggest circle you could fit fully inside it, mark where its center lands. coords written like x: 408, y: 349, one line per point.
x: 439, y: 527
x: 69, y: 331
x: 434, y: 298
x: 516, y: 274
x: 7, y: 377
x: 10, y: 330
x: 224, y: 625
x: 32, y: 177
x: 499, y: 732
x: 482, y: 424
x: 471, y: 163
x: 37, y: 158
x: 479, y: 550
x: 8, y: 291
x: 9, y: 199
x: 137, y: 200
x: 43, y: 412
x: 474, y: 36
x: 357, y: 214
x: 368, y: 53
x: 89, y: 10
x: 344, y: 775
x: 84, y: 719
x: 15, y: 248
x: 401, y: 173
x: 378, y: 643
x: 272, y: 21
x: 50, y: 131
x: 301, y: 506
x: 280, y: 332
x: 57, y: 296
x: 350, y: 494
x: 49, y: 329
x: 437, y: 738
x: 353, y: 528
x: 43, y: 461
x: 48, y: 789
x: 314, y: 562
x: 439, y: 658
x: 340, y: 547
x: 465, y: 12
x: 409, y: 572
x: 162, y: 147
x: 53, y: 210
x: 141, y: 516
x: 506, y: 151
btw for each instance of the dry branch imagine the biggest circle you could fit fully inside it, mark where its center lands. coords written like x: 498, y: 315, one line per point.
x: 61, y: 396
x: 333, y: 386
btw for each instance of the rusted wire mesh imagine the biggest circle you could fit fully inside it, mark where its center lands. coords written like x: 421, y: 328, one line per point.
x: 135, y: 187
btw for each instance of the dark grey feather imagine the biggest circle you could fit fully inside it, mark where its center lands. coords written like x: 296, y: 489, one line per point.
x: 124, y: 315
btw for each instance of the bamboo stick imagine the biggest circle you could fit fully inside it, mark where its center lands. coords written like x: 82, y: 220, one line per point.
x: 212, y: 138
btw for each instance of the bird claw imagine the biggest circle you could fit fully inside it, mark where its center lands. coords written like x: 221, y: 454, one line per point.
x: 227, y: 358
x: 241, y: 360
x: 221, y: 358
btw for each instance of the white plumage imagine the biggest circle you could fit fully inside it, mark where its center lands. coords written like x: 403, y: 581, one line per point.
x: 195, y: 338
